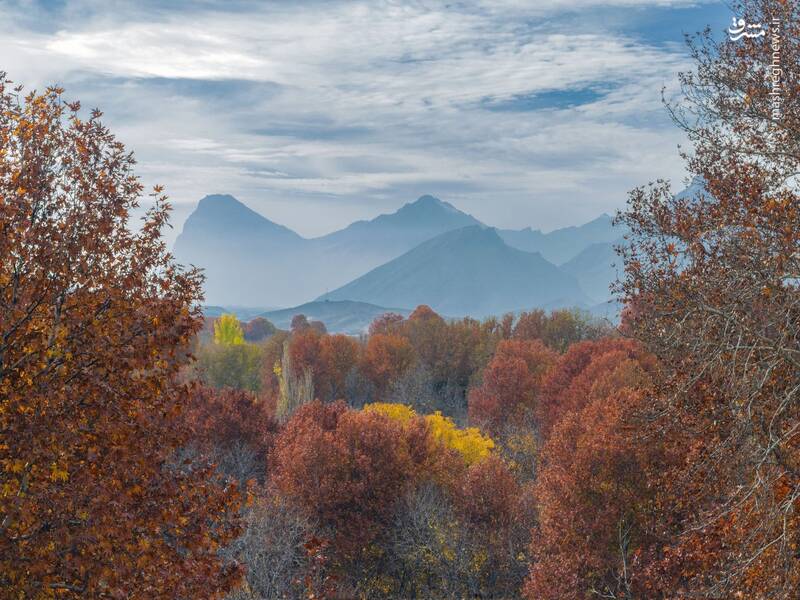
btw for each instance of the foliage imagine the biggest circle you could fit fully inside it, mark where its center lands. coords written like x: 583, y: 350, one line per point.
x: 712, y: 281
x: 490, y: 494
x: 452, y: 353
x: 319, y: 327
x: 469, y: 443
x: 423, y: 313
x: 258, y: 329
x: 418, y: 388
x: 396, y: 412
x: 449, y: 356
x: 299, y: 323
x: 339, y: 356
x: 235, y: 366
x: 592, y: 494
x: 228, y: 331
x: 385, y: 359
x: 385, y: 324
x: 561, y: 328
x: 296, y: 387
x: 304, y: 352
x: 565, y: 387
x: 94, y: 324
x: 519, y: 447
x: 663, y: 464
x: 234, y: 428
x: 271, y: 355
x: 343, y: 468
x: 509, y: 393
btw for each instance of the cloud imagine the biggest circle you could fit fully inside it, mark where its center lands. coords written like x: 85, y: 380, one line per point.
x: 319, y: 113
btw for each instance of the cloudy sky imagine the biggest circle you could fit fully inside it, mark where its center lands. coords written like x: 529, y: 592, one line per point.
x: 540, y: 113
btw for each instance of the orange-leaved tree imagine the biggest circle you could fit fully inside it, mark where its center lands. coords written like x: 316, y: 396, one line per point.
x: 345, y: 468
x: 593, y: 496
x: 509, y: 393
x: 94, y: 323
x: 712, y: 280
x: 385, y: 359
x: 233, y: 428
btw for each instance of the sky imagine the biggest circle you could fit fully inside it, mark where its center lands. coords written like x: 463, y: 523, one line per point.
x: 315, y: 114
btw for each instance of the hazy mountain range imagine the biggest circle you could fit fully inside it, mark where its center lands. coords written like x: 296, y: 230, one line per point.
x: 467, y: 271
x: 561, y: 245
x: 427, y: 252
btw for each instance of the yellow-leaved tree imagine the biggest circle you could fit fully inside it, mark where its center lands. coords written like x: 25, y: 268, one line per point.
x: 228, y: 331
x: 470, y: 443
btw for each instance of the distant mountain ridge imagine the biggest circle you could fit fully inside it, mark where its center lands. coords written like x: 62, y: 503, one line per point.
x: 218, y: 213
x: 350, y: 252
x: 241, y: 252
x: 414, y: 222
x: 561, y: 245
x: 468, y: 271
x: 426, y: 252
x: 249, y: 259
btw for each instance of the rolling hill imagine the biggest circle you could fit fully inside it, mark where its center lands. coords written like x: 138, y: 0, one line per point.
x: 343, y: 316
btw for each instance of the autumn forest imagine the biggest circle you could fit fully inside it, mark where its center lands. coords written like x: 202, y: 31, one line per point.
x: 150, y: 451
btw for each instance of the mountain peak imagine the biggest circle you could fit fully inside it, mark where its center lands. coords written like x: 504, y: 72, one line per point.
x: 216, y: 198
x: 223, y: 210
x: 226, y: 207
x: 604, y: 220
x: 427, y: 200
x: 221, y: 216
x: 430, y: 208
